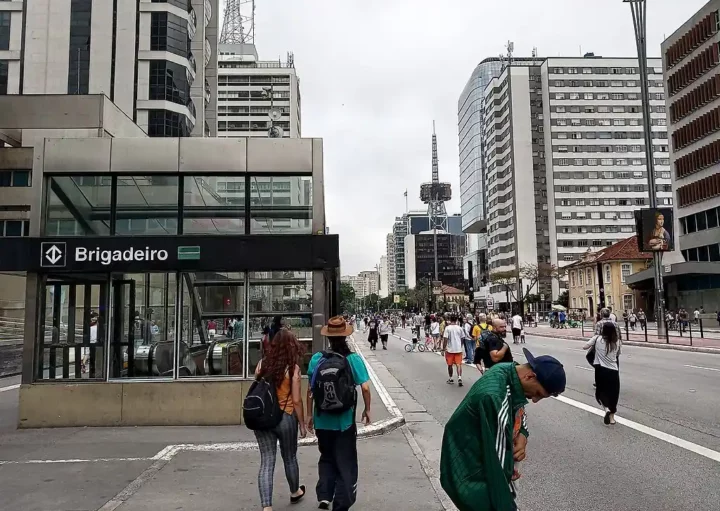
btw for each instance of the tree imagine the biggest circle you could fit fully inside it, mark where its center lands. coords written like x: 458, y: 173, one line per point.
x: 373, y: 302
x: 563, y: 299
x: 347, y: 297
x: 507, y: 280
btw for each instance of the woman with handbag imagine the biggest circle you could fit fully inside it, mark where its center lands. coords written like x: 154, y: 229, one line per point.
x: 606, y: 348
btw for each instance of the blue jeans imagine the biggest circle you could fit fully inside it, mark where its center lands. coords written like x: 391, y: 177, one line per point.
x: 469, y: 350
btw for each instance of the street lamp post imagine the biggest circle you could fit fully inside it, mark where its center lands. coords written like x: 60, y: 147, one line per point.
x: 638, y: 8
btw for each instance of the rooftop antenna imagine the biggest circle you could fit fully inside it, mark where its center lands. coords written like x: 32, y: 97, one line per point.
x: 510, y: 47
x: 239, y: 22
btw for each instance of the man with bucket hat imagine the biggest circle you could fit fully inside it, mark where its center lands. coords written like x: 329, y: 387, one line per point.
x: 488, y: 433
x: 331, y: 404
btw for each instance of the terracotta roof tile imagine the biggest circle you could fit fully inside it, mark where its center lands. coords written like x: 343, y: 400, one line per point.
x: 623, y: 250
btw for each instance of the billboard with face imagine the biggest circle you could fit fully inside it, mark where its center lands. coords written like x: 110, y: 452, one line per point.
x: 655, y: 229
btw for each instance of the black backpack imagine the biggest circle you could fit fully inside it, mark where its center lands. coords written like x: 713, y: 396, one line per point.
x: 261, y: 408
x: 333, y: 385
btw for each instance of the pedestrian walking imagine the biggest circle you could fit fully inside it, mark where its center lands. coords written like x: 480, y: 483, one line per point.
x: 487, y: 434
x: 435, y: 332
x: 373, y: 333
x: 633, y: 320
x: 468, y: 342
x: 453, y: 348
x: 492, y: 348
x: 281, y: 369
x: 332, y: 397
x: 384, y: 330
x: 607, y: 347
x: 517, y: 326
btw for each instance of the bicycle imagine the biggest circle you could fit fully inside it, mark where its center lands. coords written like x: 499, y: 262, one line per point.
x: 411, y: 346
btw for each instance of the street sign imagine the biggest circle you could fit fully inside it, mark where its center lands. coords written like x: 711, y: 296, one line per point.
x: 396, y: 299
x: 490, y: 302
x: 437, y: 287
x: 53, y: 255
x: 542, y: 297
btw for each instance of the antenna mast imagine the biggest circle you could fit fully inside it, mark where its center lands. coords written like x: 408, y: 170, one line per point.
x: 239, y: 22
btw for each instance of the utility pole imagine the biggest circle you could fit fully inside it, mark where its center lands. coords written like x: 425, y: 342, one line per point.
x: 638, y: 8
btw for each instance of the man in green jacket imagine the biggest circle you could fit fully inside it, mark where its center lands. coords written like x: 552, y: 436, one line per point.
x: 481, y: 442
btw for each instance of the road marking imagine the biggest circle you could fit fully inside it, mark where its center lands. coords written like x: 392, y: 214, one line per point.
x: 51, y: 462
x: 584, y: 368
x: 679, y: 442
x: 11, y: 387
x: 575, y: 349
x: 701, y: 367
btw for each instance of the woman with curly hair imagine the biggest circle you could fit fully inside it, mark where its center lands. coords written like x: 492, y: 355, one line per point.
x: 280, y: 366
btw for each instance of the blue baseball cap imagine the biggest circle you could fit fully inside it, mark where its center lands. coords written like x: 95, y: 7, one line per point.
x: 549, y: 372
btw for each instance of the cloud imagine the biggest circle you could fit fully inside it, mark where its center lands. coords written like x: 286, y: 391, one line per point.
x: 375, y: 74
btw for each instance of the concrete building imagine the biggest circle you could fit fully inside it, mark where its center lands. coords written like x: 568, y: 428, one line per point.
x: 413, y: 222
x: 606, y: 272
x: 420, y: 258
x: 471, y: 107
x: 365, y: 283
x: 565, y: 134
x: 692, y: 98
x: 244, y: 104
x: 154, y: 60
x: 384, y: 289
x: 390, y: 257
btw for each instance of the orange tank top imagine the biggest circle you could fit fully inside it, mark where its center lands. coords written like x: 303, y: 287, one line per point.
x: 284, y: 394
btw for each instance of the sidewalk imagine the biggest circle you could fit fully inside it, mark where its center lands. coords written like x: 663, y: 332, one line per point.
x: 199, y: 468
x: 637, y: 338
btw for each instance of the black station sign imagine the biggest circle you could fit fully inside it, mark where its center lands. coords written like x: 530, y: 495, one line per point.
x: 170, y: 253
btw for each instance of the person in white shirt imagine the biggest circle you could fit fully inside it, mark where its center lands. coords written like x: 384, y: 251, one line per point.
x: 613, y: 317
x: 696, y: 315
x: 607, y: 347
x: 384, y: 328
x: 517, y: 326
x: 453, y: 347
x: 435, y: 332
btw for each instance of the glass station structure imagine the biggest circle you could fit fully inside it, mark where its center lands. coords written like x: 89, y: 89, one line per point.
x: 154, y: 265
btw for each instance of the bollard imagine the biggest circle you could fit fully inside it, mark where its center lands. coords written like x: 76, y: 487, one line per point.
x: 690, y: 327
x: 645, y: 330
x: 667, y: 333
x: 582, y: 327
x: 702, y: 334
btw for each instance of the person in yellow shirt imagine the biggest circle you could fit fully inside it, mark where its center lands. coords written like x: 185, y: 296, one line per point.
x: 481, y: 326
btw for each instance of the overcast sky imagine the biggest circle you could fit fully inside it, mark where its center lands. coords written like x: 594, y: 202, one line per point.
x: 375, y: 73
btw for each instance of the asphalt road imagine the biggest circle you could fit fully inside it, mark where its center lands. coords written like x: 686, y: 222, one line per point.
x: 576, y: 462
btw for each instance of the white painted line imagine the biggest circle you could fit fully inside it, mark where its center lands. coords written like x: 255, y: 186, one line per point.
x: 53, y: 462
x: 701, y: 367
x: 379, y: 387
x: 11, y: 387
x: 575, y: 349
x: 679, y: 442
x: 584, y: 368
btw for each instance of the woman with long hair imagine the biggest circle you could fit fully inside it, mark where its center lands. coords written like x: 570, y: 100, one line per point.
x: 280, y: 366
x: 607, y: 347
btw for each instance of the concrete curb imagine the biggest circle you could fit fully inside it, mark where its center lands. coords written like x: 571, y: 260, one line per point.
x: 641, y: 344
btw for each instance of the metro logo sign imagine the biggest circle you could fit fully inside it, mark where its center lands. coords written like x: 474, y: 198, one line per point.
x: 53, y: 255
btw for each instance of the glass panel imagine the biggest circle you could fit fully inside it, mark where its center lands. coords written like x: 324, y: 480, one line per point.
x: 286, y: 295
x: 78, y: 206
x: 147, y: 205
x: 72, y: 338
x: 142, y: 325
x: 213, y: 323
x: 214, y: 205
x: 281, y: 205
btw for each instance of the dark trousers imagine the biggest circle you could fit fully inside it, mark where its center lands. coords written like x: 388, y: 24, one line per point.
x: 338, y: 467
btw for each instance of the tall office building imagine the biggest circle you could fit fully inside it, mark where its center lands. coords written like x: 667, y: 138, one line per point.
x: 565, y: 135
x: 154, y: 60
x: 383, y: 290
x: 244, y: 87
x: 390, y: 255
x: 691, y: 58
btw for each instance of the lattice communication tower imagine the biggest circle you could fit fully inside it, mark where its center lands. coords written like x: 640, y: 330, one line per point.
x: 435, y: 193
x: 239, y: 22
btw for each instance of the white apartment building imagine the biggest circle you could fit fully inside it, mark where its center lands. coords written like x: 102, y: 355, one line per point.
x: 595, y: 151
x: 391, y: 268
x: 153, y: 60
x: 364, y: 284
x: 513, y: 139
x: 244, y: 85
x: 383, y: 290
x: 565, y: 135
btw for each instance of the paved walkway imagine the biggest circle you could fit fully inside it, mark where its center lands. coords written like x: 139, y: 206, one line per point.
x: 199, y: 468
